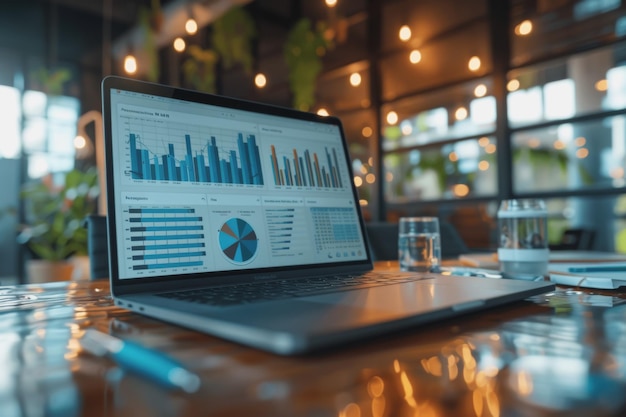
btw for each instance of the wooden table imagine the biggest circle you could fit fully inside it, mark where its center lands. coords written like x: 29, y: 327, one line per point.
x: 562, y: 354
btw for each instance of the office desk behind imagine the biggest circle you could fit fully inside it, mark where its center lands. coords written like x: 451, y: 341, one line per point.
x: 557, y: 354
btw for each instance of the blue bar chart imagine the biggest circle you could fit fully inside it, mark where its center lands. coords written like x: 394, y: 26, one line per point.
x: 306, y: 169
x: 166, y: 238
x: 230, y: 159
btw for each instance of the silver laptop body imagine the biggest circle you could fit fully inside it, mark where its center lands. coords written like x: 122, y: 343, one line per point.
x: 241, y: 220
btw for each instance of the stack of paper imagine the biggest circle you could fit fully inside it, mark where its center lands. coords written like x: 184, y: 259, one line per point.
x: 602, y: 275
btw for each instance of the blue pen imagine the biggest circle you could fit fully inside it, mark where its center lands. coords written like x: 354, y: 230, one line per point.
x: 141, y: 360
x: 599, y: 268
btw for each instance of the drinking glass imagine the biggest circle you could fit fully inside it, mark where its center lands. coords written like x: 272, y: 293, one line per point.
x: 419, y: 244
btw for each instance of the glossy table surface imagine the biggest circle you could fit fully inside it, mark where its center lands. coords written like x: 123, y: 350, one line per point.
x: 559, y: 354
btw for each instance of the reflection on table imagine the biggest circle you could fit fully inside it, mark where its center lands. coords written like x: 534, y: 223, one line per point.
x: 557, y: 354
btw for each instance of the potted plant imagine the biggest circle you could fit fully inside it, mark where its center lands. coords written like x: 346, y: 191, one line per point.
x: 55, y: 223
x: 303, y: 53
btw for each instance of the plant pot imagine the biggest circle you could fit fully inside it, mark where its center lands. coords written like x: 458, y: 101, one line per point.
x: 40, y: 271
x: 81, y: 264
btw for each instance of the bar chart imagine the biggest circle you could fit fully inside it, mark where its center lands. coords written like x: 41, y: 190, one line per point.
x: 306, y: 169
x: 166, y: 238
x: 229, y: 159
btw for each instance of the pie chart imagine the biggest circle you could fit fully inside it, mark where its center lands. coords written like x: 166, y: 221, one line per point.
x: 238, y: 240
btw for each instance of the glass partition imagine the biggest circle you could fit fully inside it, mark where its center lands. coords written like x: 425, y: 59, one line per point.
x: 455, y: 170
x: 581, y: 84
x: 456, y: 112
x: 550, y: 28
x: 570, y: 156
x: 10, y: 120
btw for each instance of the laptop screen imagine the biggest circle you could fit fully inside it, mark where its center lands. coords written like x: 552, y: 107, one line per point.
x: 206, y: 184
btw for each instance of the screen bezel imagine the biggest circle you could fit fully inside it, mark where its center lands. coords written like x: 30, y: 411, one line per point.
x: 119, y: 285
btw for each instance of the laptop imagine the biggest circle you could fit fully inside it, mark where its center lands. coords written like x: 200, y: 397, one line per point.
x: 241, y: 220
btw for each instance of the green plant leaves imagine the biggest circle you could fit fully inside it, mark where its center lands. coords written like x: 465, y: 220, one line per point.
x: 55, y: 215
x: 232, y: 38
x: 303, y: 51
x: 199, y: 69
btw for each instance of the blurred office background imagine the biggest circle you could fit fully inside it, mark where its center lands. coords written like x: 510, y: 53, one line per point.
x: 449, y: 106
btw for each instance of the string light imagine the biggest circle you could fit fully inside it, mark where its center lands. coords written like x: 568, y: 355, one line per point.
x: 415, y: 56
x: 404, y: 33
x: 392, y: 117
x: 191, y: 26
x: 474, y: 63
x: 602, y: 85
x: 512, y: 85
x: 331, y: 3
x: 524, y: 28
x: 582, y: 153
x: 80, y: 142
x: 460, y: 113
x: 322, y: 112
x: 355, y: 79
x: 460, y: 190
x: 260, y: 80
x: 480, y: 90
x: 130, y: 64
x: 179, y: 44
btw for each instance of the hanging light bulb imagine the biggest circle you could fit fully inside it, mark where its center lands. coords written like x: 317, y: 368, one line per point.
x: 355, y: 79
x: 415, y: 56
x: 513, y: 85
x: 524, y: 28
x: 191, y: 26
x: 404, y: 33
x: 130, y: 64
x: 179, y: 44
x: 80, y: 142
x: 480, y: 90
x: 260, y: 80
x: 474, y: 63
x: 460, y: 113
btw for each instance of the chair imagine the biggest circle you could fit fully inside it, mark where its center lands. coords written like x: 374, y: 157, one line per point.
x: 383, y: 239
x: 97, y: 246
x: 576, y: 239
x: 452, y: 244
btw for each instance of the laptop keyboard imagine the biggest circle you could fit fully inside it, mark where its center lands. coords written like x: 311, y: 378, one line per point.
x: 288, y: 288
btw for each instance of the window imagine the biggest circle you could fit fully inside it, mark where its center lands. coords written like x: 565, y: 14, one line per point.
x: 49, y: 131
x: 10, y: 120
x: 445, y: 149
